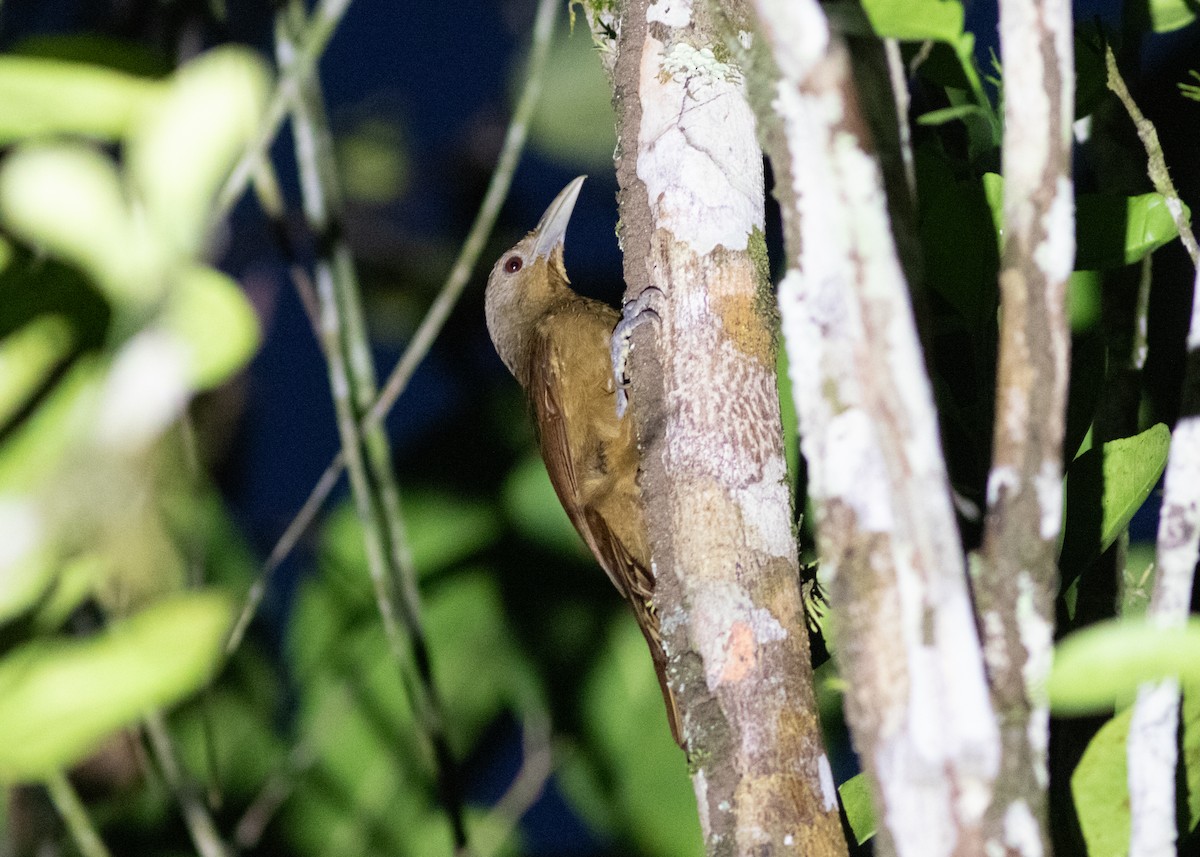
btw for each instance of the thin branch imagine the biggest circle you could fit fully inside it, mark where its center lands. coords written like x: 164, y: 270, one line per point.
x: 200, y: 824
x: 75, y: 815
x: 530, y: 781
x: 1156, y: 168
x: 1018, y: 577
x: 439, y: 311
x: 1151, y: 749
x: 310, y: 44
x: 342, y: 329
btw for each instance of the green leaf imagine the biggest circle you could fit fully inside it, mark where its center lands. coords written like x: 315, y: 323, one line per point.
x: 1100, y: 787
x: 916, y: 20
x: 1166, y: 16
x: 1101, y: 666
x: 625, y: 714
x: 69, y: 200
x: 1113, y: 230
x: 574, y: 122
x: 26, y: 566
x: 950, y: 114
x: 211, y: 316
x: 184, y: 146
x: 787, y: 410
x: 531, y: 503
x: 43, y: 97
x: 1105, y: 488
x: 1100, y: 782
x: 60, y: 698
x: 27, y: 357
x: 860, y: 809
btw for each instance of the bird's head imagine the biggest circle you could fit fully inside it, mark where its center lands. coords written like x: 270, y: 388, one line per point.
x: 527, y: 279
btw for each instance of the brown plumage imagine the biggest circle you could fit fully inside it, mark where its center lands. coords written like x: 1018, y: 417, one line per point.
x: 557, y: 345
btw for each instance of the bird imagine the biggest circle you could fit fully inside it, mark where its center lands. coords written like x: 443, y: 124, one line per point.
x: 558, y: 345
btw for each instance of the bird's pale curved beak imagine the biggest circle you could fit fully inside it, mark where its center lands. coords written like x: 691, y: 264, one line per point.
x: 552, y: 228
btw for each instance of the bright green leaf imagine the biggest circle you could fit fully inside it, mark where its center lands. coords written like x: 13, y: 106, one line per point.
x: 860, y: 809
x: 183, y: 148
x: 211, y: 316
x: 26, y: 564
x: 1166, y: 16
x: 1100, y: 788
x: 787, y: 410
x: 1083, y: 298
x: 1113, y: 230
x: 916, y: 20
x: 69, y: 200
x: 1100, y: 782
x: 1102, y: 666
x: 43, y: 97
x: 27, y: 357
x: 1105, y: 488
x: 60, y: 698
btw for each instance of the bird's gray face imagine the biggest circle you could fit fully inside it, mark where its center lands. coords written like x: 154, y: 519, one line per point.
x: 523, y: 278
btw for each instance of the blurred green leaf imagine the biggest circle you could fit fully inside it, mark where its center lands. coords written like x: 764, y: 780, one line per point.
x: 625, y: 714
x: 42, y: 97
x: 374, y: 162
x: 1105, y: 488
x: 1101, y: 666
x: 574, y: 123
x: 860, y: 809
x: 1083, y: 297
x: 27, y: 358
x: 185, y: 144
x: 916, y: 20
x: 211, y: 316
x: 96, y: 50
x: 26, y: 564
x: 950, y: 114
x: 1113, y: 230
x: 530, y: 501
x: 1166, y: 16
x: 69, y: 200
x: 60, y: 698
x: 787, y: 410
x: 479, y: 668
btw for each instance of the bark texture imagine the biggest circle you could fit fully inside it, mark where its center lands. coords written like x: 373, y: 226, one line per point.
x: 1018, y: 582
x: 707, y: 410
x: 917, y: 699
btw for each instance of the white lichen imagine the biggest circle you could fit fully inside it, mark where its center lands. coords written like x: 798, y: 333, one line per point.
x: 1021, y: 830
x: 1002, y: 480
x: 1047, y: 485
x: 1055, y: 255
x: 696, y: 130
x: 673, y: 13
x: 828, y: 789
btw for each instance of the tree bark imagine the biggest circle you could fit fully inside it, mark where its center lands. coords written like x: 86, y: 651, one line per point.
x: 707, y: 411
x: 917, y: 701
x: 1018, y: 581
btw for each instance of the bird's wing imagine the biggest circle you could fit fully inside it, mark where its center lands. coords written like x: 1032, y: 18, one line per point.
x: 561, y: 443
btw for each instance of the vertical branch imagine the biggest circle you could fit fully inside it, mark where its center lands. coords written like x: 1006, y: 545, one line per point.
x: 1151, y: 749
x: 917, y: 701
x: 1018, y: 581
x: 352, y: 378
x: 707, y: 411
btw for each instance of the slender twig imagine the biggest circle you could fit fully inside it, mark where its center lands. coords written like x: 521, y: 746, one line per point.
x: 527, y: 786
x: 201, y: 827
x: 1157, y: 166
x: 1151, y: 750
x: 439, y: 311
x: 74, y: 814
x: 342, y: 328
x: 310, y: 45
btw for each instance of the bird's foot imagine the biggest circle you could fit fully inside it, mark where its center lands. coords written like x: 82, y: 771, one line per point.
x: 634, y: 314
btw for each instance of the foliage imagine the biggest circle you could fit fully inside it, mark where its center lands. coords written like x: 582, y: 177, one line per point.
x: 114, y: 320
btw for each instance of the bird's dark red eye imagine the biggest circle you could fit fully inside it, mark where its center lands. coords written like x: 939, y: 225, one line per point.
x: 513, y: 264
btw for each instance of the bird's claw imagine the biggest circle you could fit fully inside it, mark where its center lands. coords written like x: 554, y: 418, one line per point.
x: 635, y: 313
